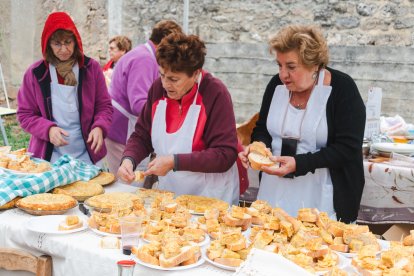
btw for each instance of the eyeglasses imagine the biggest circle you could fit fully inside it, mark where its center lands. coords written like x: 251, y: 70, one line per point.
x: 59, y: 45
x: 289, y: 147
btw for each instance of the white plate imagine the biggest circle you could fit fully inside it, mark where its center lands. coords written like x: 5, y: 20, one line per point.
x: 347, y: 255
x: 198, y: 263
x: 50, y: 224
x: 19, y: 172
x: 226, y: 267
x: 385, y: 245
x: 394, y: 147
x: 101, y: 233
x: 14, y: 157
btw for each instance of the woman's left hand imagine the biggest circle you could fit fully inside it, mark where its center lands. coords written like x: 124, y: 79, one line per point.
x: 287, y: 165
x: 96, y: 138
x: 160, y: 166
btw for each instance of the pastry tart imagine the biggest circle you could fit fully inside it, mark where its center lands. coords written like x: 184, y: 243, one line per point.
x: 47, y: 202
x: 199, y: 204
x: 112, y: 200
x: 80, y: 190
x: 10, y: 204
x: 149, y: 195
x: 104, y: 178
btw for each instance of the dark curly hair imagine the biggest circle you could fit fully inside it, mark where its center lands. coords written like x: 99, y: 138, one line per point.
x: 181, y: 53
x: 162, y: 29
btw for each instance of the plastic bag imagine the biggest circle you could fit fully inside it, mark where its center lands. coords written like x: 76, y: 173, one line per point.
x: 393, y: 126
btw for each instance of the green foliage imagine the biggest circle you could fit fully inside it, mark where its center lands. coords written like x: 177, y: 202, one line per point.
x: 15, y: 134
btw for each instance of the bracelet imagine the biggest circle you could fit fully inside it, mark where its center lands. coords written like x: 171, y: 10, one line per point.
x: 175, y: 168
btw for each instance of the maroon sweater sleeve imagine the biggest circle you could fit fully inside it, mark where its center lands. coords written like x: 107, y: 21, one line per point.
x: 220, y: 136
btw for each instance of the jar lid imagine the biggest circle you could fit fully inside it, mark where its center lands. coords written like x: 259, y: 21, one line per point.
x: 126, y: 262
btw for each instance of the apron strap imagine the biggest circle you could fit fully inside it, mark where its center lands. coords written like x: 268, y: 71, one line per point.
x: 148, y: 46
x: 321, y: 77
x: 123, y: 111
x: 199, y: 78
x: 53, y: 75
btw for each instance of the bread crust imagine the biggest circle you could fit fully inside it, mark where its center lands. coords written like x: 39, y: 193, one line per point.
x: 144, y: 256
x: 340, y: 247
x: 409, y: 240
x: 63, y: 226
x: 233, y: 262
x: 187, y: 253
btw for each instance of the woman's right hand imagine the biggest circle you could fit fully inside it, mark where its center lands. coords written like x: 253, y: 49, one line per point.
x: 126, y: 171
x: 56, y: 136
x: 243, y: 156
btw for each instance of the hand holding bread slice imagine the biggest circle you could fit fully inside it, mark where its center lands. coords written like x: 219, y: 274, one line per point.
x: 259, y: 156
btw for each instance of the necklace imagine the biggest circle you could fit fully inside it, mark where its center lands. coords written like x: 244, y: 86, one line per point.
x: 295, y: 104
x: 303, y: 104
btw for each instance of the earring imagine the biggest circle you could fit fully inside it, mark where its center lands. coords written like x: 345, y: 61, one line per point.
x: 314, y: 75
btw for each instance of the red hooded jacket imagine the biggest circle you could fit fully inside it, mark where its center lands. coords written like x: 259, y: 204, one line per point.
x: 56, y: 21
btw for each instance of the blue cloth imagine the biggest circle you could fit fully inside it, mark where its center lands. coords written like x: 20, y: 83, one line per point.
x: 64, y: 171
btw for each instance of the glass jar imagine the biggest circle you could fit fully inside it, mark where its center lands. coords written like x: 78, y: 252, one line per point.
x: 126, y: 268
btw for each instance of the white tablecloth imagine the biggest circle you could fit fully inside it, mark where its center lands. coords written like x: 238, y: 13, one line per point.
x: 388, y: 195
x: 78, y: 253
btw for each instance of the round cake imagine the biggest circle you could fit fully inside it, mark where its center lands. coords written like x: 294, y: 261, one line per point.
x: 80, y: 190
x: 112, y: 200
x: 47, y: 202
x: 104, y: 178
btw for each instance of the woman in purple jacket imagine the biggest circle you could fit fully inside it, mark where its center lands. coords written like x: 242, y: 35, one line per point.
x: 63, y: 101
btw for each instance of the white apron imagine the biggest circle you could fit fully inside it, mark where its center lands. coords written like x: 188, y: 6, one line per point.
x: 132, y: 119
x: 311, y: 190
x: 65, y: 110
x: 224, y: 186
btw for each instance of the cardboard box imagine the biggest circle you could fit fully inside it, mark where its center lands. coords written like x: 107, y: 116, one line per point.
x: 397, y: 232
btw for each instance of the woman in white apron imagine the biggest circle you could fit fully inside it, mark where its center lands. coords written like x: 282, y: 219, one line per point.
x: 188, y: 122
x: 63, y: 101
x: 313, y: 119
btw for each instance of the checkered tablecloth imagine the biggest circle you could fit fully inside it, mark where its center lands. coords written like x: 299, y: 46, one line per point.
x: 64, y: 171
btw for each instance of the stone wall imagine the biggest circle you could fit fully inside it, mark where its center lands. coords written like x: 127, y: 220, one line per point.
x: 371, y: 40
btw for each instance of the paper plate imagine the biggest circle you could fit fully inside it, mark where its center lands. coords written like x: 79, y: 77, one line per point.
x: 101, y: 233
x: 394, y: 147
x: 50, y: 225
x: 225, y: 267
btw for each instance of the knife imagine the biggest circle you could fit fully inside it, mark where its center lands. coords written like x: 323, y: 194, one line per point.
x: 84, y: 210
